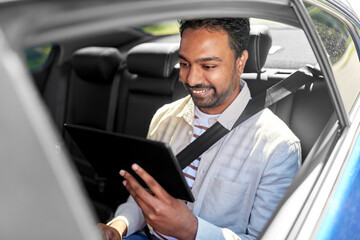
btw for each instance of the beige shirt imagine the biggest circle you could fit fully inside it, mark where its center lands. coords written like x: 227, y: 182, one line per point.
x: 240, y: 179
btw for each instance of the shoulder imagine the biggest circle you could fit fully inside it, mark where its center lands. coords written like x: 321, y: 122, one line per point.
x: 168, y: 112
x: 272, y: 134
x: 172, y: 109
x: 274, y: 128
x: 283, y: 144
x: 270, y: 140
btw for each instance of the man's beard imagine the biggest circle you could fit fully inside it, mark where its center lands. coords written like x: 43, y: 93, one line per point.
x: 215, y: 99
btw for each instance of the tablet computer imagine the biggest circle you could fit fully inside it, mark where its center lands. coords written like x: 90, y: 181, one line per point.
x: 109, y: 152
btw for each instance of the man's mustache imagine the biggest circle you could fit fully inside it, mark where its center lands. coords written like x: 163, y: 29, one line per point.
x: 198, y: 86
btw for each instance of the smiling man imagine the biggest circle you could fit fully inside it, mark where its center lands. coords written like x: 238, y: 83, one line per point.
x: 238, y: 182
x: 210, y: 69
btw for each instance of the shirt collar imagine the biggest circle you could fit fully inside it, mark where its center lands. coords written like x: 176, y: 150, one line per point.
x: 233, y: 111
x: 188, y: 111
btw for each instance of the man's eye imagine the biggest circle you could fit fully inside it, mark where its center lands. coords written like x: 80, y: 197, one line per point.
x: 182, y: 64
x: 209, y: 66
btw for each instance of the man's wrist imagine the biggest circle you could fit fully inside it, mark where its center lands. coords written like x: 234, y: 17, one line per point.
x: 192, y: 227
x: 120, y: 224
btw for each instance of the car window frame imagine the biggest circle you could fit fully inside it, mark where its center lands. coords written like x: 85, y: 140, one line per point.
x: 352, y: 40
x: 321, y: 55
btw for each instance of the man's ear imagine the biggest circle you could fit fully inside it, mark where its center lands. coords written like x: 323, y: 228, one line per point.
x: 241, y: 61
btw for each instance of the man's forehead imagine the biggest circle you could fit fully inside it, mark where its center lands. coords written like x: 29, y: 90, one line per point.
x: 188, y: 34
x: 197, y: 36
x: 206, y: 45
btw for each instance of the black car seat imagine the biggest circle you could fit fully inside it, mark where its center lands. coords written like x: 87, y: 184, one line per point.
x: 154, y: 82
x: 93, y: 92
x: 306, y: 112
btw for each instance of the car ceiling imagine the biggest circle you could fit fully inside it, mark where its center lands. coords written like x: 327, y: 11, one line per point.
x: 56, y: 21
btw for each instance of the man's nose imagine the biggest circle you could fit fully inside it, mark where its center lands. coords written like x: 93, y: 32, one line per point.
x: 194, y: 76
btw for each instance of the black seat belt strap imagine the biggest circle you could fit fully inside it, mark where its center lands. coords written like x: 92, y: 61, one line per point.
x: 114, y: 92
x: 272, y: 95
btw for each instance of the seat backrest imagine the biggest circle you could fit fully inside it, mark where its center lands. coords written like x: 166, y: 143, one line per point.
x: 91, y: 84
x: 306, y: 112
x: 153, y: 84
x: 91, y: 88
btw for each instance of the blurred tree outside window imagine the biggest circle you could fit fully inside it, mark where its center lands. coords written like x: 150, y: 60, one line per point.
x: 37, y: 57
x: 341, y: 51
x: 162, y: 28
x: 332, y: 32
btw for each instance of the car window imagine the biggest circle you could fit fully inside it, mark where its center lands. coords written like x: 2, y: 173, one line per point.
x: 37, y: 57
x: 162, y: 28
x: 341, y: 52
x: 290, y: 47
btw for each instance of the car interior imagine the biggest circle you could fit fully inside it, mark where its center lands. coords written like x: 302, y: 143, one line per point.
x: 117, y: 81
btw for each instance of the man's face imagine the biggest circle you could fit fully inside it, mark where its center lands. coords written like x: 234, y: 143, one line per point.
x: 209, y: 69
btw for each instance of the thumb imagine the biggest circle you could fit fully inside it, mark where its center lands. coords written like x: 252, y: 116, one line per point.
x: 108, y: 234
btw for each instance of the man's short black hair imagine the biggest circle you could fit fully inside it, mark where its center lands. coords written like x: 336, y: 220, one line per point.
x: 237, y: 28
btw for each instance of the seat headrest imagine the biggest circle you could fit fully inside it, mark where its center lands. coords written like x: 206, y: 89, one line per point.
x: 259, y: 45
x: 158, y: 59
x: 97, y: 64
x: 153, y: 59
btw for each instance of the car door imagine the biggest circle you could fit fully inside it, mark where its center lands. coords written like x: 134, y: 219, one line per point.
x: 322, y: 201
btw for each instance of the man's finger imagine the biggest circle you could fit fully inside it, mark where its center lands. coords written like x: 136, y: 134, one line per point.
x: 140, y: 194
x: 154, y: 186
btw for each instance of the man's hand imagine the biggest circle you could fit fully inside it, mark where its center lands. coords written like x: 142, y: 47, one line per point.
x: 109, y: 233
x: 164, y: 213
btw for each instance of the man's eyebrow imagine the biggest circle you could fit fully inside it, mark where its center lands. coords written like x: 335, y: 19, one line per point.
x: 182, y: 57
x: 206, y: 59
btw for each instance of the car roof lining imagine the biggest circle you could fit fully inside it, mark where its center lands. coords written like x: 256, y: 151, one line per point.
x: 50, y: 23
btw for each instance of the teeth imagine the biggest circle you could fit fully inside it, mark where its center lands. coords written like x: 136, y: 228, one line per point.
x: 201, y: 91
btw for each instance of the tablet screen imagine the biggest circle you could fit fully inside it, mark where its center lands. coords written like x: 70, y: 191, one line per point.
x: 108, y: 153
